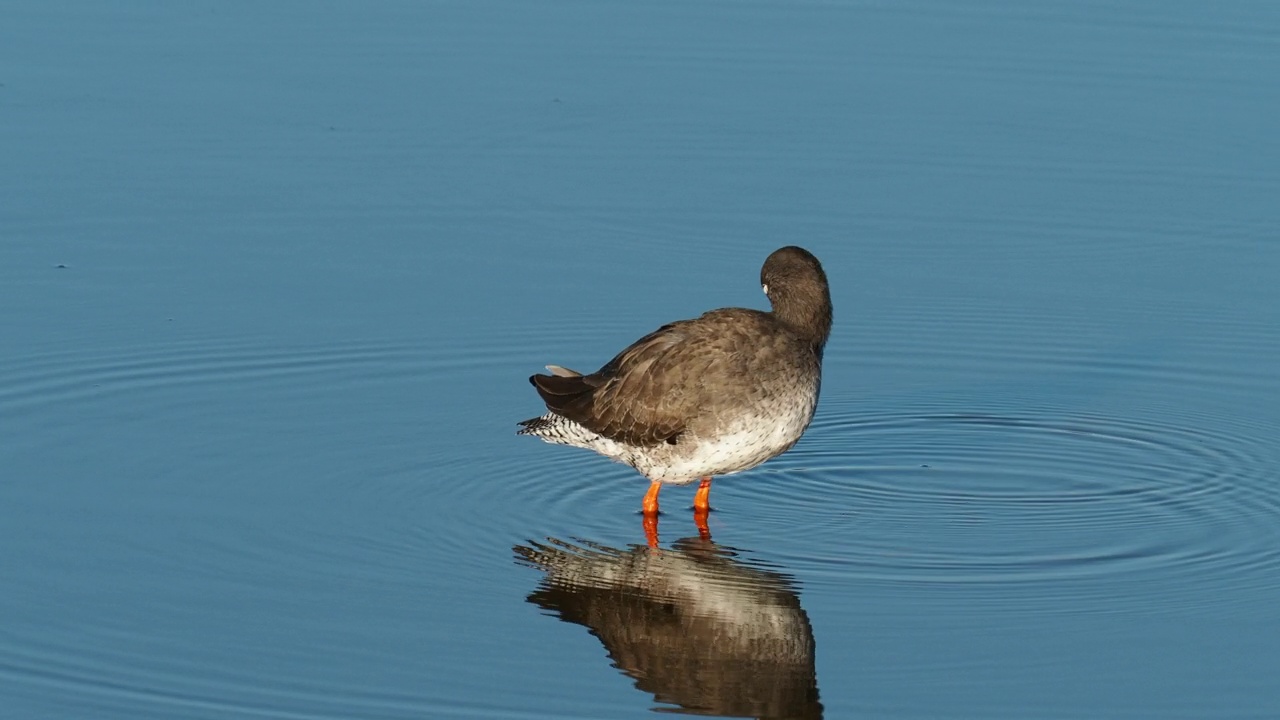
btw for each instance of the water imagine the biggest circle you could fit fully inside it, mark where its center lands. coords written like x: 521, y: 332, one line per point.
x: 272, y: 278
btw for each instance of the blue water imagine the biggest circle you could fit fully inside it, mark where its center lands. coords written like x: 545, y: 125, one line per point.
x: 273, y: 276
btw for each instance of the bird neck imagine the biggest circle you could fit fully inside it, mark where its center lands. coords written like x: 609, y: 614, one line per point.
x: 808, y: 317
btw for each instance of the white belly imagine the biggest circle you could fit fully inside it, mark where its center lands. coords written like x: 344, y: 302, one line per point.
x: 738, y: 445
x: 742, y: 445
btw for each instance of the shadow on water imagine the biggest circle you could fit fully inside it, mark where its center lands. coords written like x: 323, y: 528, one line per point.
x: 693, y: 625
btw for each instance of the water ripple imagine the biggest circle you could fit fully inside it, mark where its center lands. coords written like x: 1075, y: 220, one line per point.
x: 996, y: 500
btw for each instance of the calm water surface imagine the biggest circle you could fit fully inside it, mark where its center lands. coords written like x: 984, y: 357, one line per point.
x: 272, y: 278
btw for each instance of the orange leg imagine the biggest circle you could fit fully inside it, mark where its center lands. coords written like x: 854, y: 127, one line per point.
x: 651, y: 530
x: 702, y: 499
x: 700, y: 520
x: 650, y: 506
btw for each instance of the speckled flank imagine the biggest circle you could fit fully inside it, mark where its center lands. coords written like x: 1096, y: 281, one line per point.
x: 742, y: 445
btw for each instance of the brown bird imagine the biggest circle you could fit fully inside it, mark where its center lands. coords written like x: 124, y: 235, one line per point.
x: 710, y: 396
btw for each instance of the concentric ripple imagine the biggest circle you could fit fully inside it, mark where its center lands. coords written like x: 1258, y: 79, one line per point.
x: 996, y: 500
x: 178, y: 494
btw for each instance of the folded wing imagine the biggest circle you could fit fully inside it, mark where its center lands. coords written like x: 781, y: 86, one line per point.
x: 643, y: 396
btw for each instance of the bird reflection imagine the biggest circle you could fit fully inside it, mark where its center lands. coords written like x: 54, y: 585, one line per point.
x: 693, y: 625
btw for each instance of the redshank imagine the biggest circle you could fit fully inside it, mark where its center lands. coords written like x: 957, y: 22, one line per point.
x: 705, y: 397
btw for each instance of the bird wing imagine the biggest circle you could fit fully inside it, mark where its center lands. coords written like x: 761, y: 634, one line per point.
x: 643, y: 396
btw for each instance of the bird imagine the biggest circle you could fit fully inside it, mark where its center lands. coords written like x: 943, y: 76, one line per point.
x: 706, y: 397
